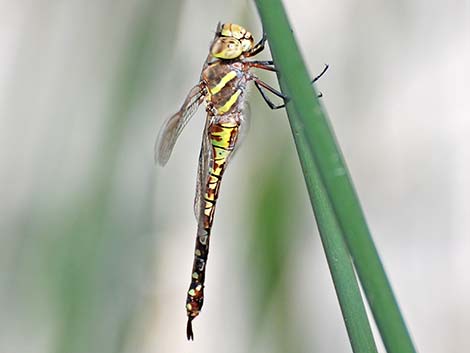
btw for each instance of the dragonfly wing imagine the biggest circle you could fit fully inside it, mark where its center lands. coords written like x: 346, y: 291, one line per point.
x: 174, y: 125
x: 205, y: 157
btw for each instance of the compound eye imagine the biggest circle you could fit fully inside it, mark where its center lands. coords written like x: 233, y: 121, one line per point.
x: 240, y: 33
x: 226, y: 48
x: 225, y: 30
x: 247, y: 44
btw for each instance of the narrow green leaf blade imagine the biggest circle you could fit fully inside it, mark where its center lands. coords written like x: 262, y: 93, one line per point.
x: 314, y: 126
x: 339, y: 262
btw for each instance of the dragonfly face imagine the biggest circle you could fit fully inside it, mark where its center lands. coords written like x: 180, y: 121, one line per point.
x: 231, y: 42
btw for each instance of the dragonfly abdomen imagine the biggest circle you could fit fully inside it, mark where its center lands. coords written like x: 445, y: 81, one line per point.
x: 223, y: 134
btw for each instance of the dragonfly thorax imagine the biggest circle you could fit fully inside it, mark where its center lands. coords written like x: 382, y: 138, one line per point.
x: 231, y: 42
x: 226, y: 84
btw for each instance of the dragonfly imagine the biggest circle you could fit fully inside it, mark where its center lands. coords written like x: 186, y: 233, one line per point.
x: 223, y: 83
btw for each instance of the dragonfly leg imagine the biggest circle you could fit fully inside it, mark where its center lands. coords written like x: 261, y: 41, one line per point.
x: 264, y: 62
x: 260, y: 85
x: 267, y: 65
x: 263, y: 65
x: 321, y: 73
x: 259, y: 47
x: 320, y: 94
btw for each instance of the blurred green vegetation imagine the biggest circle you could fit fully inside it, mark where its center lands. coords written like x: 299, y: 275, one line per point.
x: 81, y: 270
x: 99, y: 250
x: 271, y: 238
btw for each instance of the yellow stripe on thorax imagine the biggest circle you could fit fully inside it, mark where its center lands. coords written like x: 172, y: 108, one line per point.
x: 223, y: 81
x: 229, y: 103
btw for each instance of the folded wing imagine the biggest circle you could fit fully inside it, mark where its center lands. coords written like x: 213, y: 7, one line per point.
x: 205, y: 158
x: 175, y: 124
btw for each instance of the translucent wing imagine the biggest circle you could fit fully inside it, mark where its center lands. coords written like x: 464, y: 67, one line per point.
x: 205, y: 157
x: 174, y: 125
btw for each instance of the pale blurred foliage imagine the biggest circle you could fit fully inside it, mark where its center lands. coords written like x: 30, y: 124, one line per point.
x: 96, y: 250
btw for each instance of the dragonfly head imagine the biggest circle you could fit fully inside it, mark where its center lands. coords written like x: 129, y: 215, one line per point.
x: 231, y: 41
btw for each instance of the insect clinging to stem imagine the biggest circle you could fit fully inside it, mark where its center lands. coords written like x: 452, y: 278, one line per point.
x: 222, y: 86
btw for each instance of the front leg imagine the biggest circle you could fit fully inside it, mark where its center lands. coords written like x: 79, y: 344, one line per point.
x: 267, y: 65
x: 261, y: 85
x: 258, y: 48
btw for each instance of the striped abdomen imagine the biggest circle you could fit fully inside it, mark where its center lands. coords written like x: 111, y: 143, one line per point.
x: 223, y: 134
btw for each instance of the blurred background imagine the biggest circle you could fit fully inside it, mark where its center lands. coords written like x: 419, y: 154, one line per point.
x: 97, y: 242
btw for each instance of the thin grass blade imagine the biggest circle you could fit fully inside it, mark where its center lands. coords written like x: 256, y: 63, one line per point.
x: 310, y: 124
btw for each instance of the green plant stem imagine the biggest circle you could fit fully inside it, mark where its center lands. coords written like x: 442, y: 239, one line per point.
x: 339, y: 262
x: 310, y: 122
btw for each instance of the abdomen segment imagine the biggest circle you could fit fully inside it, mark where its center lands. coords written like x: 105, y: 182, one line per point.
x: 223, y: 135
